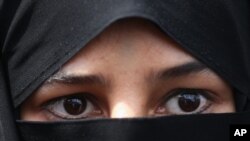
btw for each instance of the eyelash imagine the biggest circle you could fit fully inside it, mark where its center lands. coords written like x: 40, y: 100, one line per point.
x: 175, y: 92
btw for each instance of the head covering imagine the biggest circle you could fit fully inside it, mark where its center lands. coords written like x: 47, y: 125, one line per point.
x: 8, y: 128
x: 40, y: 36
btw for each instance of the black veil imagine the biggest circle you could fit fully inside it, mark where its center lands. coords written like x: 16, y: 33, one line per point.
x: 38, y: 37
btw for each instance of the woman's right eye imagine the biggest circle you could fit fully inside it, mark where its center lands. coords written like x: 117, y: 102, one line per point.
x: 73, y: 107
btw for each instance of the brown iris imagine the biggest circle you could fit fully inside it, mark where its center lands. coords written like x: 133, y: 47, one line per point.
x: 189, y: 102
x: 75, y: 105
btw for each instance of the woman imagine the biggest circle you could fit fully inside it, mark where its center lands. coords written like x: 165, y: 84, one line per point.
x: 49, y: 48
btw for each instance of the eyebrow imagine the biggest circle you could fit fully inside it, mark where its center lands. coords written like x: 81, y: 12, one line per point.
x: 181, y: 70
x: 98, y: 79
x: 72, y: 79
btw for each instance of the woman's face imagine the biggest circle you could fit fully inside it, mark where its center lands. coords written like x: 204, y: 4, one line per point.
x: 131, y: 69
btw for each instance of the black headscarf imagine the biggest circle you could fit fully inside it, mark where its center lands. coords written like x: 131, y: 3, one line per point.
x: 39, y: 36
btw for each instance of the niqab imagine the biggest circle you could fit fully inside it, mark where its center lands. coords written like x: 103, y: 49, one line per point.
x: 40, y: 36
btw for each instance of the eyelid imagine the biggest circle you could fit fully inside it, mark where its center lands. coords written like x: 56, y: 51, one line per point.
x: 207, y: 94
x: 85, y: 94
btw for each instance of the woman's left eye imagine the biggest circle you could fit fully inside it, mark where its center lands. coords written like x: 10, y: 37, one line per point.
x: 186, y: 101
x: 72, y: 107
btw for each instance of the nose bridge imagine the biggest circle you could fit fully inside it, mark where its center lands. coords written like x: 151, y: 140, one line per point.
x: 125, y: 110
x: 128, y: 96
x: 128, y: 103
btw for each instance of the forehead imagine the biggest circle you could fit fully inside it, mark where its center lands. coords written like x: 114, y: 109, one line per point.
x: 129, y: 43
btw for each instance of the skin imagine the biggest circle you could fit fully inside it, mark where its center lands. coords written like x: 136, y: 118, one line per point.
x: 123, y: 67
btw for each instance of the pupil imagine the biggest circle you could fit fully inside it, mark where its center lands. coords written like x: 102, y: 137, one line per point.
x: 189, y: 102
x: 74, y: 106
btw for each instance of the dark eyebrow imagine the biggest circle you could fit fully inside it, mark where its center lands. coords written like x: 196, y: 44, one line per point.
x: 181, y: 70
x: 63, y: 78
x: 98, y: 79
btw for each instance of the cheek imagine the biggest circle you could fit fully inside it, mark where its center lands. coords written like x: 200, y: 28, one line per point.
x: 31, y: 114
x: 32, y: 110
x: 225, y: 106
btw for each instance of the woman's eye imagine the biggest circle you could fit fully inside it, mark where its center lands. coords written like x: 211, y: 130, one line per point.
x: 186, y: 102
x: 73, y: 107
